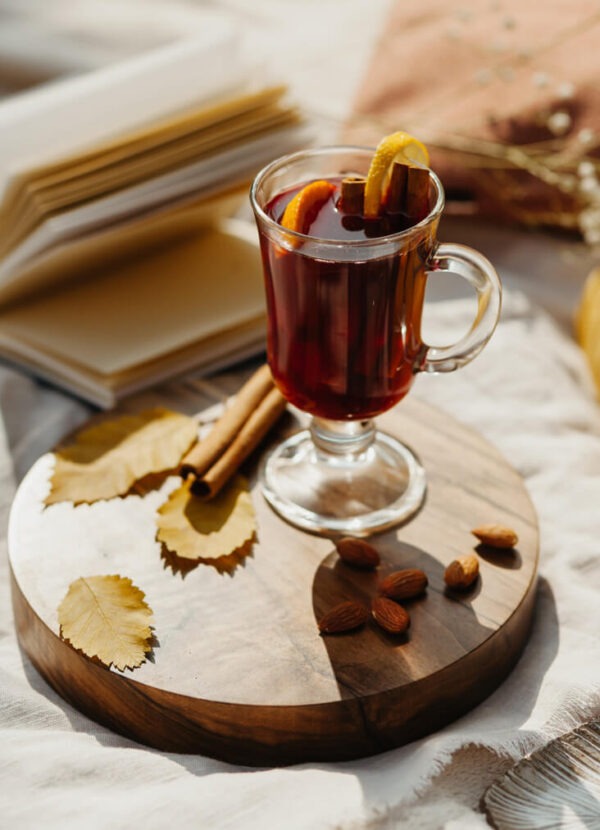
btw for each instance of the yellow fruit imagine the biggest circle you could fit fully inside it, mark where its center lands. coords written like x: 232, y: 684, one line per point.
x: 587, y: 324
x: 398, y: 146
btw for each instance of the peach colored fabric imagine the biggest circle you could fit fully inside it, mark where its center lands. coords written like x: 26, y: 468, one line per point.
x: 512, y: 73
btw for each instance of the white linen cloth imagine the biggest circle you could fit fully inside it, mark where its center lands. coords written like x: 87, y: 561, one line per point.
x: 529, y: 393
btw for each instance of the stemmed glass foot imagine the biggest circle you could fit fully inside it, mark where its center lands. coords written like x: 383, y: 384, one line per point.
x: 343, y: 477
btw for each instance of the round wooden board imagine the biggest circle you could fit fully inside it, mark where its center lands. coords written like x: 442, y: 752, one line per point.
x: 239, y: 670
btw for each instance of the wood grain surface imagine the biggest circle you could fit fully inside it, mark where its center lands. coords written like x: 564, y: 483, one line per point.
x: 239, y: 670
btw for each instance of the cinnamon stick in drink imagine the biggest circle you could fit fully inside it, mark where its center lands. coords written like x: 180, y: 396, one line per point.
x: 409, y: 194
x: 408, y: 191
x: 254, y: 410
x: 397, y: 188
x: 352, y: 195
x: 417, y: 193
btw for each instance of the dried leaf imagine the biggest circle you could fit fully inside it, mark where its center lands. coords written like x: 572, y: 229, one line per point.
x: 106, y: 459
x: 195, y: 529
x: 106, y: 617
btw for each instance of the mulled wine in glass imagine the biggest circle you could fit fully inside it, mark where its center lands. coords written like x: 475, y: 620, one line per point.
x: 345, y: 296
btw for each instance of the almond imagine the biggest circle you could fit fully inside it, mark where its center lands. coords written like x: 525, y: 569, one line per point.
x: 404, y: 584
x: 462, y: 573
x: 343, y: 617
x: 358, y: 553
x: 496, y: 536
x: 389, y: 615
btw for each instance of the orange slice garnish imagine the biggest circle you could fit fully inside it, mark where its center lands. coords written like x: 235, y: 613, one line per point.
x: 301, y: 212
x: 398, y: 146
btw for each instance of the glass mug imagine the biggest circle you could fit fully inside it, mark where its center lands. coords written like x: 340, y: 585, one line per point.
x: 344, y: 345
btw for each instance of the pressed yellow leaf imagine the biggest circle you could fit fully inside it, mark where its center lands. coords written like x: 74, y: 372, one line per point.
x: 106, y: 459
x: 106, y: 617
x: 195, y: 529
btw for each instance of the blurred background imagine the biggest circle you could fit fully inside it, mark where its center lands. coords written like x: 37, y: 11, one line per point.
x: 503, y: 93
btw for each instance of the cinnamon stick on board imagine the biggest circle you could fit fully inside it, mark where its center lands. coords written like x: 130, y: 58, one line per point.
x: 254, y: 410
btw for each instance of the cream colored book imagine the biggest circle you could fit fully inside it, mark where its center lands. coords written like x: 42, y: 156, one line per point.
x: 193, y: 302
x: 117, y: 267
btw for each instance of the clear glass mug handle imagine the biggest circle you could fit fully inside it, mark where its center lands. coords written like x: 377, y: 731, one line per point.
x: 481, y: 274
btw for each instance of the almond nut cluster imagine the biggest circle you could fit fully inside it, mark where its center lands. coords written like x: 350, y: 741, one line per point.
x: 385, y: 610
x: 406, y: 584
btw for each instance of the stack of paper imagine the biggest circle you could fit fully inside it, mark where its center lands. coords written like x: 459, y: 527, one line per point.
x: 112, y: 272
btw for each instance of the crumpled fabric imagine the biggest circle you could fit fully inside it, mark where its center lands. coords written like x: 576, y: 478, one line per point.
x: 530, y: 394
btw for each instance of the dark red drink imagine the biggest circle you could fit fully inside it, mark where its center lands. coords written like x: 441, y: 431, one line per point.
x: 344, y: 331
